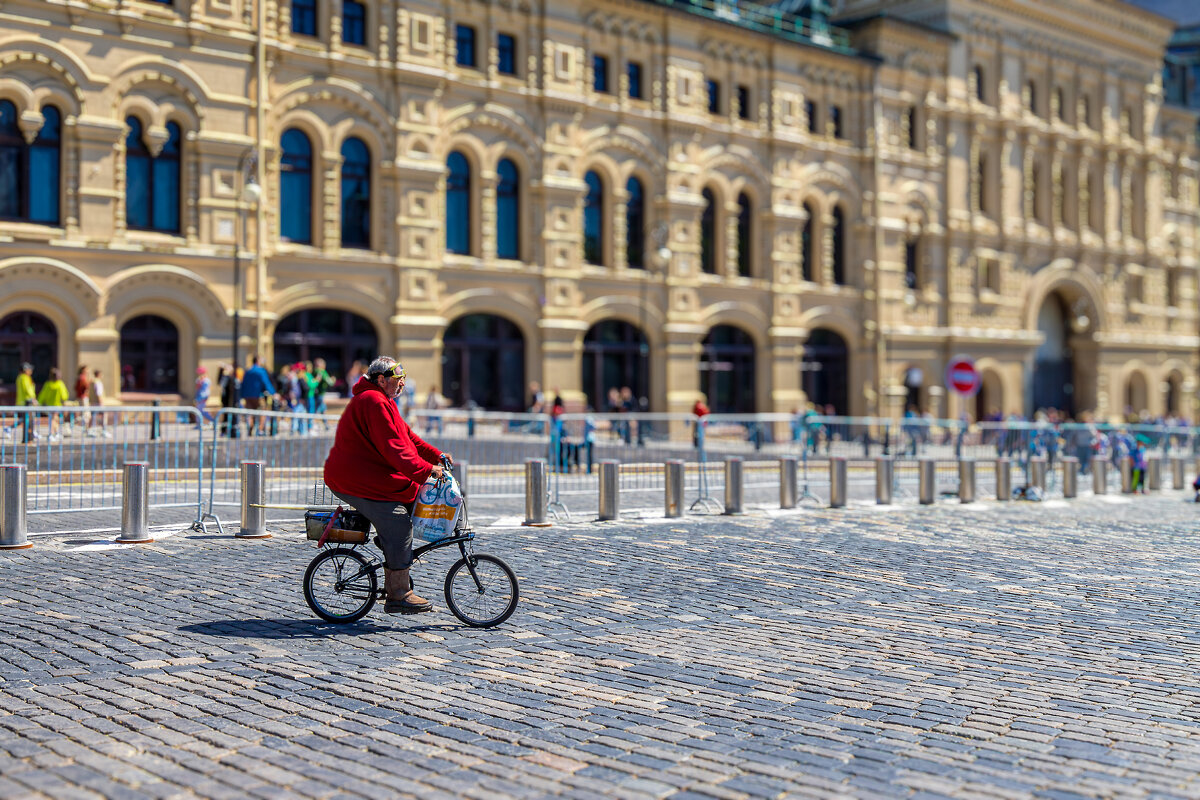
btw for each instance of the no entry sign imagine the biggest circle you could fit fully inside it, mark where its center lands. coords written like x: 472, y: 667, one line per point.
x: 962, y: 377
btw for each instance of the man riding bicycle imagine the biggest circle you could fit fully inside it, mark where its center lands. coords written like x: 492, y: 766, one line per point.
x: 377, y: 465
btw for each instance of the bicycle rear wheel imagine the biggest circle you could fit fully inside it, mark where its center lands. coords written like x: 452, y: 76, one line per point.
x: 340, y: 585
x: 483, y: 593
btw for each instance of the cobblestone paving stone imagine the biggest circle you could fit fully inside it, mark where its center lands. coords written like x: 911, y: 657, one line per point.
x: 988, y: 651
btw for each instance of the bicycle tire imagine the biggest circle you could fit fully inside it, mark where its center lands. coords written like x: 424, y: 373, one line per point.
x: 322, y: 576
x: 463, y: 596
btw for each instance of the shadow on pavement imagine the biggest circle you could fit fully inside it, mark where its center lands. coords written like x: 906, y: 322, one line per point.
x: 281, y: 628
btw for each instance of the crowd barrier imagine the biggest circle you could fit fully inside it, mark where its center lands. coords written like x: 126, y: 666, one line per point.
x: 74, y: 457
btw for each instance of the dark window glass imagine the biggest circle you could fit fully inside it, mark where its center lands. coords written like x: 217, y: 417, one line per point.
x: 810, y: 113
x: 464, y: 45
x: 839, y: 247
x: 593, y: 220
x: 483, y: 363
x: 714, y: 96
x: 743, y: 102
x: 45, y: 167
x: 744, y: 234
x: 977, y: 75
x: 165, y: 187
x: 506, y: 52
x: 911, y: 116
x: 1031, y: 90
x: 356, y: 194
x: 339, y: 337
x: 634, y: 71
x: 149, y: 355
x: 826, y: 378
x: 458, y: 204
x: 708, y: 232
x: 615, y: 354
x: 910, y: 263
x: 806, y: 244
x: 12, y: 162
x: 600, y: 73
x: 304, y: 17
x: 835, y: 117
x: 727, y: 370
x: 25, y: 336
x: 137, y: 177
x: 354, y: 23
x: 295, y: 187
x: 508, y: 210
x: 635, y: 224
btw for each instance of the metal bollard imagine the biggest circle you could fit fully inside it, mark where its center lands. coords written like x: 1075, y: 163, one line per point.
x: 1037, y: 473
x: 535, y: 494
x: 14, y: 535
x: 884, y: 475
x: 1177, y: 472
x: 1003, y: 479
x: 254, y: 494
x: 610, y: 489
x: 927, y: 476
x: 1099, y: 477
x: 1153, y: 476
x: 674, y: 493
x: 966, y: 480
x: 837, y: 482
x: 733, y: 485
x: 1126, y: 475
x: 787, y: 482
x: 1070, y: 476
x: 135, y: 502
x: 155, y: 427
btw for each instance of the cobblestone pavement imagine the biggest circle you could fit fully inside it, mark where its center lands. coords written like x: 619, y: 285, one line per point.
x: 991, y: 651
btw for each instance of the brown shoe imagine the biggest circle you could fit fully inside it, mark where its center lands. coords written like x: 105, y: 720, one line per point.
x: 407, y: 605
x: 400, y: 598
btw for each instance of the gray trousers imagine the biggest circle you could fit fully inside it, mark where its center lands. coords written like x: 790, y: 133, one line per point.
x: 393, y: 520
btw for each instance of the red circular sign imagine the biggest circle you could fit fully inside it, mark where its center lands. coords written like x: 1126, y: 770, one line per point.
x: 962, y: 377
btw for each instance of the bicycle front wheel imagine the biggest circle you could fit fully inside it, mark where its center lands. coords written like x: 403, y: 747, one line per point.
x: 340, y: 585
x: 483, y: 592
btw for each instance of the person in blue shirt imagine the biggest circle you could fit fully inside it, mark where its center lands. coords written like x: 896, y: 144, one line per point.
x: 257, y: 392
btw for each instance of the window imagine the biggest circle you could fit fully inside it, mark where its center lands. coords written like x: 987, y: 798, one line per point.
x: 635, y: 224
x: 839, y: 247
x: 506, y: 54
x: 977, y: 85
x: 339, y: 337
x: 593, y: 220
x: 152, y: 184
x: 744, y: 249
x: 979, y: 185
x: 356, y: 194
x: 295, y: 188
x: 615, y: 353
x: 149, y: 354
x: 714, y: 96
x: 835, y: 121
x: 634, y: 71
x: 464, y: 45
x: 483, y: 363
x: 1030, y: 98
x: 458, y: 204
x: 708, y: 234
x: 354, y: 23
x: 1056, y: 104
x: 30, y: 174
x: 909, y: 123
x: 600, y: 74
x: 810, y: 114
x: 304, y: 17
x: 911, y: 255
x: 743, y: 99
x: 508, y: 210
x: 806, y: 244
x: 727, y: 370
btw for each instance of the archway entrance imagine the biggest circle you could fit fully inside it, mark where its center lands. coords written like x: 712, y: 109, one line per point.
x: 149, y: 355
x: 989, y: 401
x: 1053, y: 380
x: 25, y: 336
x: 727, y: 370
x: 615, y: 355
x: 824, y: 375
x: 339, y: 337
x: 483, y: 362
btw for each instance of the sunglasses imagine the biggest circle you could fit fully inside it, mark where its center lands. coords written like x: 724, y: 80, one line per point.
x: 396, y: 371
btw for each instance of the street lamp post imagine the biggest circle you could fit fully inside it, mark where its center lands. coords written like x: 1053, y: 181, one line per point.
x: 250, y: 195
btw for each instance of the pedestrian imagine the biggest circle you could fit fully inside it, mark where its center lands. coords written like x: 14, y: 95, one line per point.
x: 98, y: 424
x: 203, y: 390
x: 27, y: 396
x: 54, y: 394
x: 325, y: 383
x: 227, y: 385
x: 257, y: 391
x: 699, y: 411
x: 433, y: 405
x: 81, y: 392
x: 356, y: 372
x: 1139, y: 467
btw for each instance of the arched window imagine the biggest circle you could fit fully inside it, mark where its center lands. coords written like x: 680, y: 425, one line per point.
x: 912, y: 265
x: 635, y: 224
x: 354, y: 23
x: 1056, y: 104
x: 1031, y: 97
x: 839, y: 247
x: 295, y: 187
x: 508, y: 210
x: 825, y: 375
x: 727, y: 370
x: 744, y: 242
x: 593, y: 219
x: 339, y: 337
x: 149, y: 355
x: 910, y: 128
x: 483, y: 363
x: 806, y: 244
x: 978, y: 88
x: 708, y: 233
x: 356, y: 194
x: 304, y: 17
x: 458, y: 204
x: 152, y: 185
x: 615, y: 354
x: 30, y: 174
x: 25, y: 336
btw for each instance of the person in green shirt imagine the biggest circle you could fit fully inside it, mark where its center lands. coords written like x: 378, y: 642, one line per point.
x: 26, y: 396
x: 324, y: 382
x: 54, y: 393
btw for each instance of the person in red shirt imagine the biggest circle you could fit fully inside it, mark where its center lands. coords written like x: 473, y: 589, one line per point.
x: 377, y: 465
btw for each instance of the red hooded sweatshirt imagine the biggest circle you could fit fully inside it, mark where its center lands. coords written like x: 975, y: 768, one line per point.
x: 375, y: 455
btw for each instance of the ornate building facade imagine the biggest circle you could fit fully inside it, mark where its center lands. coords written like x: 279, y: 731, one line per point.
x: 688, y: 198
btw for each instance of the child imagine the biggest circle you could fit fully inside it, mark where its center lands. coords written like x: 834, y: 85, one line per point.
x: 1139, y: 468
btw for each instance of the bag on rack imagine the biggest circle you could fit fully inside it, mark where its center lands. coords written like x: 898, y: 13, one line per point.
x: 439, y: 504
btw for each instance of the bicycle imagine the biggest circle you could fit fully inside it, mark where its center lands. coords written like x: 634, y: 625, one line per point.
x: 341, y: 584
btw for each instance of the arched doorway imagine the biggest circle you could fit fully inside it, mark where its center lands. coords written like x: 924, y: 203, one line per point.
x: 1173, y: 394
x: 1053, y: 384
x: 727, y: 370
x: 824, y: 375
x: 339, y: 337
x: 483, y: 362
x: 615, y: 354
x: 149, y: 355
x: 1137, y: 395
x: 25, y: 336
x: 989, y: 401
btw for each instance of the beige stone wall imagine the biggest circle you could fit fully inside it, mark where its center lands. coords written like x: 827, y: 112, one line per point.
x: 1111, y: 227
